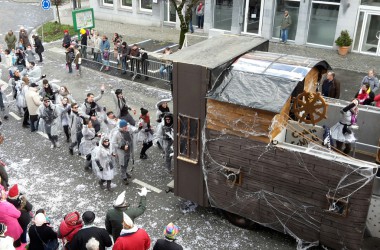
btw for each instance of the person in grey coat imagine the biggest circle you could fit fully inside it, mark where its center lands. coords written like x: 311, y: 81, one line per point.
x: 65, y: 110
x: 29, y: 55
x: 123, y: 146
x: 87, y: 143
x: 104, y: 168
x: 372, y: 80
x: 75, y: 124
x: 48, y: 112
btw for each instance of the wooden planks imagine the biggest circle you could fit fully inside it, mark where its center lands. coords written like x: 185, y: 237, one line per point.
x: 287, y: 190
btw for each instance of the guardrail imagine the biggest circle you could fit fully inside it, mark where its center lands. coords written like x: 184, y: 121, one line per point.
x: 135, y: 66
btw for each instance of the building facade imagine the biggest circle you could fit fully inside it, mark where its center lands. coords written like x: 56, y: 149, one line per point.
x: 314, y: 22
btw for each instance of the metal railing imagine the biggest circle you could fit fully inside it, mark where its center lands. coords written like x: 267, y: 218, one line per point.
x: 135, y: 66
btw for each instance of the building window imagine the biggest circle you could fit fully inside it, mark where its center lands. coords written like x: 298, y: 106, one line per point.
x: 293, y: 8
x: 170, y: 12
x: 108, y: 2
x: 188, y: 138
x: 322, y: 25
x: 126, y: 3
x: 371, y: 2
x: 146, y: 5
x: 223, y: 15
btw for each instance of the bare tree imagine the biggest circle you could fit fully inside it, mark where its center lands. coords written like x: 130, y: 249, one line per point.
x: 179, y: 5
x: 57, y: 3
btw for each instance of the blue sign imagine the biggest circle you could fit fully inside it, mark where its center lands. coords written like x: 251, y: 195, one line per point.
x: 46, y: 4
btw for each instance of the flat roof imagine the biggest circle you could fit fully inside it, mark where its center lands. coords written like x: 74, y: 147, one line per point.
x: 215, y: 51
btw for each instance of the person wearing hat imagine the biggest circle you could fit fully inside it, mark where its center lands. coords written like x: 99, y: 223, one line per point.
x: 114, y: 216
x: 6, y: 242
x: 66, y: 39
x: 104, y: 167
x: 167, y: 134
x: 33, y: 102
x: 170, y: 233
x: 145, y: 133
x: 90, y: 231
x: 9, y: 215
x: 24, y: 206
x: 131, y: 237
x: 10, y: 39
x: 162, y: 108
x: 122, y: 109
x: 123, y: 147
x: 41, y: 234
x: 70, y: 225
x: 48, y: 113
x: 83, y: 42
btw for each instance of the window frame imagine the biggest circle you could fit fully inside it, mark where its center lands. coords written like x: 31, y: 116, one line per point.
x: 144, y: 9
x: 187, y: 157
x: 108, y: 4
x: 126, y: 6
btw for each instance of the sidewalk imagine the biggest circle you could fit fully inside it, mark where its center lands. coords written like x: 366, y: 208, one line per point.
x: 350, y: 70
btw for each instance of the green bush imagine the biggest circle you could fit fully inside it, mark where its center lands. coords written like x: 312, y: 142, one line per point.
x: 53, y: 31
x: 344, y: 39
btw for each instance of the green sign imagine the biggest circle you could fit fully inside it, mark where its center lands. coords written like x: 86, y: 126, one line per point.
x: 83, y: 19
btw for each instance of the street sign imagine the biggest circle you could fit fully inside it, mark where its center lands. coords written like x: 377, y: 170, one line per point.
x: 46, y: 4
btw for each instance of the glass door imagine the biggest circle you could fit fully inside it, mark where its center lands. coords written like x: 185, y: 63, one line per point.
x: 252, y: 16
x: 170, y: 13
x: 369, y: 34
x: 292, y: 6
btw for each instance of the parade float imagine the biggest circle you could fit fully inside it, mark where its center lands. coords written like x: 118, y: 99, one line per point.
x: 249, y: 140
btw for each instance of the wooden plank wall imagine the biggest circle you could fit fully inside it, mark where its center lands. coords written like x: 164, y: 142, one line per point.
x: 239, y: 120
x: 287, y: 190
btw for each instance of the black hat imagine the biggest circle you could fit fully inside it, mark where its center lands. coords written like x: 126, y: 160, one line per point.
x: 118, y: 91
x: 88, y: 217
x: 144, y: 111
x: 33, y: 84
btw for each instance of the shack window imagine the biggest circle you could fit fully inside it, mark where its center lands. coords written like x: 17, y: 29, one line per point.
x: 337, y: 206
x: 188, y: 138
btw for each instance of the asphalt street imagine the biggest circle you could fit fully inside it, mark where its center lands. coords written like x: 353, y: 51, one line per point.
x: 56, y: 181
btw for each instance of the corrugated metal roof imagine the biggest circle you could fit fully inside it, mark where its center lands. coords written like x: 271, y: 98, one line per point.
x: 262, y: 80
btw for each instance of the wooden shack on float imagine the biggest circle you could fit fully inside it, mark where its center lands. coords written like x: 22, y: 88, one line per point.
x: 236, y: 148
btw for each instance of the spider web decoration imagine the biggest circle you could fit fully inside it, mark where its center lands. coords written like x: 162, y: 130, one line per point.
x: 291, y: 189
